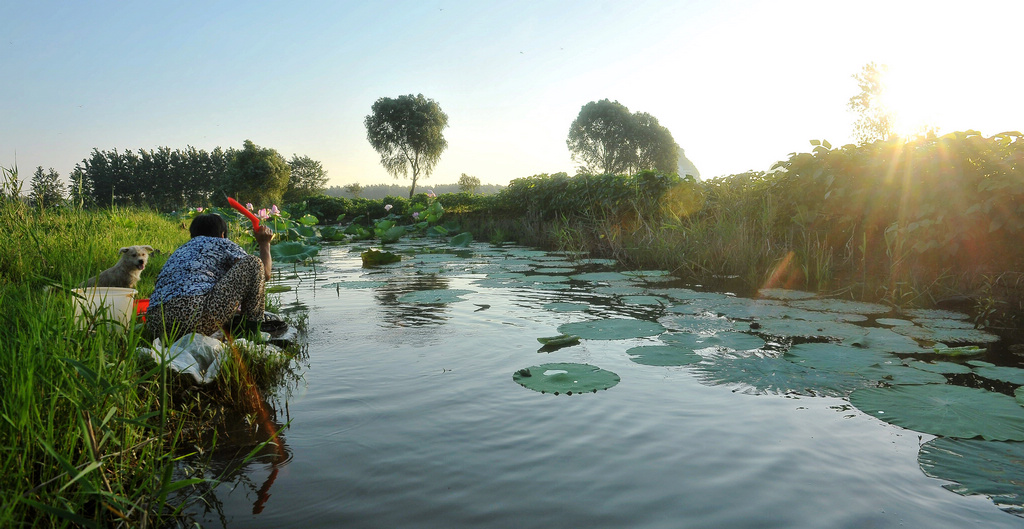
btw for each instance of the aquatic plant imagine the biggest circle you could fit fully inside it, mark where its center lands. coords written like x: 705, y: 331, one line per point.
x: 565, y: 378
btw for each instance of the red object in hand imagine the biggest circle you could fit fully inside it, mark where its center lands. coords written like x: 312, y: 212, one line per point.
x: 255, y: 220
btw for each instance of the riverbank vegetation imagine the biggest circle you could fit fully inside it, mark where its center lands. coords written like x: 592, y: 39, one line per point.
x: 920, y: 223
x: 91, y: 433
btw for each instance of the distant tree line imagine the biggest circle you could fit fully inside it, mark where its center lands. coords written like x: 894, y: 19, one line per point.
x: 376, y: 191
x: 168, y: 180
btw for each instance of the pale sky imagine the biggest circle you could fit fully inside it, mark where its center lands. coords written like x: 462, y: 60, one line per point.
x: 740, y: 84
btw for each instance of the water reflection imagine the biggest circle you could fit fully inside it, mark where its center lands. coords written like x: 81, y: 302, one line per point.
x: 399, y: 314
x: 244, y: 443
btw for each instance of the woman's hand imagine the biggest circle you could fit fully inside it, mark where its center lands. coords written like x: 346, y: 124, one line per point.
x: 264, y: 235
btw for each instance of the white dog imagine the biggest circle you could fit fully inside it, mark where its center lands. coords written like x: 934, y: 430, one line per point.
x: 126, y: 272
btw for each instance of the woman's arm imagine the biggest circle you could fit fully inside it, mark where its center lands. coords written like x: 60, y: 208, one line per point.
x: 263, y: 238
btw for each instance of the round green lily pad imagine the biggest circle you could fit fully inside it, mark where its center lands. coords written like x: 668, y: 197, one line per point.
x: 698, y: 324
x: 600, y: 276
x: 784, y: 293
x: 565, y: 378
x: 838, y: 358
x: 662, y: 355
x: 949, y: 368
x: 841, y: 305
x: 770, y: 375
x: 942, y: 409
x: 947, y: 335
x: 978, y: 467
x: 736, y: 341
x: 1011, y: 375
x: 653, y: 301
x: 277, y: 289
x: 612, y: 329
x: 893, y: 322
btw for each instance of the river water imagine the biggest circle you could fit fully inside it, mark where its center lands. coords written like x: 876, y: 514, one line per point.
x: 406, y: 415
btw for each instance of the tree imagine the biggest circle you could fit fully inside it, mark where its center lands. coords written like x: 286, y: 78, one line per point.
x: 354, y: 189
x: 875, y: 121
x: 308, y: 179
x: 47, y: 188
x: 258, y: 175
x: 468, y: 184
x: 607, y: 138
x: 407, y: 132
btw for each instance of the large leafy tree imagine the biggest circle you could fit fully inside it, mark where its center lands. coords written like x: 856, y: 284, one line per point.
x: 407, y: 132
x: 257, y: 174
x: 607, y: 138
x: 875, y: 120
x: 309, y: 178
x: 47, y: 188
x: 468, y: 184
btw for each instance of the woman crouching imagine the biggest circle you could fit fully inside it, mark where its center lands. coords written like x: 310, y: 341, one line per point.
x: 206, y: 279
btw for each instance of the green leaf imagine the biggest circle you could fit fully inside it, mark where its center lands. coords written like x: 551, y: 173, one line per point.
x: 565, y: 378
x: 292, y: 252
x: 611, y: 329
x: 308, y: 220
x: 662, y: 355
x: 462, y: 240
x: 977, y: 467
x: 373, y: 258
x: 941, y: 409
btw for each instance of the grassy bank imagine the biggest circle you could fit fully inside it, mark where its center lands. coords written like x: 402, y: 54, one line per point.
x: 89, y: 432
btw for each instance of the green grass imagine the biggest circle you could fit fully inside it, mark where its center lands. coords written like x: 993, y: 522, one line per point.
x: 89, y: 435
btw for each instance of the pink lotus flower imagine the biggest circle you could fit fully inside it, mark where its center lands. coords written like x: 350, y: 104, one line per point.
x: 431, y: 194
x: 388, y: 207
x: 416, y: 215
x: 274, y: 210
x: 248, y: 206
x: 263, y: 214
x: 199, y: 210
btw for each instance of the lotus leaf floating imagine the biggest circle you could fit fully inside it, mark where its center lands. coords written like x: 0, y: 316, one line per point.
x: 292, y: 252
x: 784, y: 293
x: 945, y: 368
x: 771, y: 375
x: 567, y: 378
x: 1010, y: 375
x: 612, y: 329
x: 947, y: 335
x: 946, y: 410
x: 662, y: 355
x: 841, y: 305
x: 736, y: 341
x: 978, y: 467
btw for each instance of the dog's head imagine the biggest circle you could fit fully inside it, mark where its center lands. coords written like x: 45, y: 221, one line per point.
x: 136, y: 256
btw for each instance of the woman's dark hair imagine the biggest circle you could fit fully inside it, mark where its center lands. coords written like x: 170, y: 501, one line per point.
x: 209, y: 224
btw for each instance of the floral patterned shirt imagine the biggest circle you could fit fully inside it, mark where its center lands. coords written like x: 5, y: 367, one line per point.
x: 195, y: 267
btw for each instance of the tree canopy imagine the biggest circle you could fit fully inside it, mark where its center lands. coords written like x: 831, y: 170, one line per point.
x: 875, y: 121
x: 469, y: 184
x: 47, y: 188
x: 257, y: 174
x: 308, y: 178
x: 407, y: 132
x: 607, y: 138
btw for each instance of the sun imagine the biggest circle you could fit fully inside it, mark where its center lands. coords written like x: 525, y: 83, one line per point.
x: 912, y: 101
